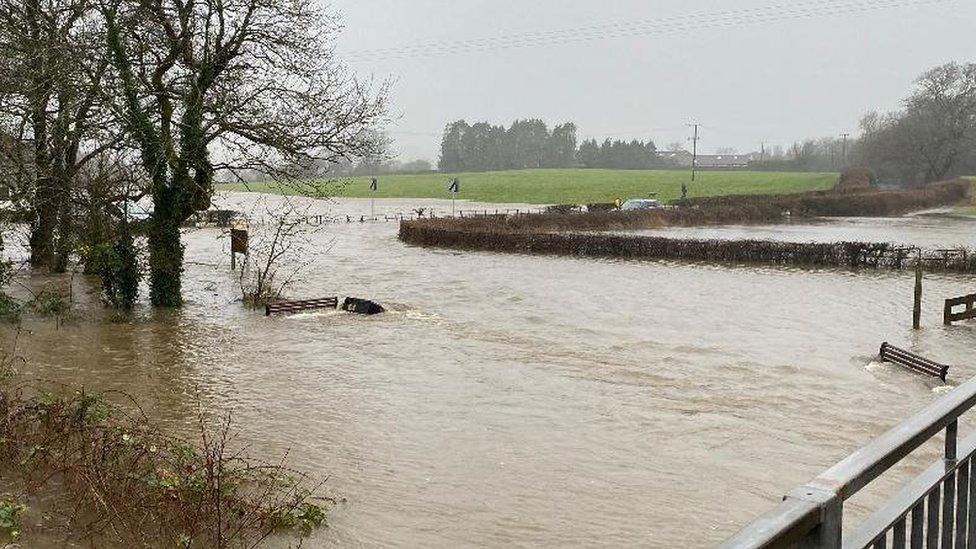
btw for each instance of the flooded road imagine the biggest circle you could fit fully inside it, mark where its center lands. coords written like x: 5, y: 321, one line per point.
x: 544, y: 401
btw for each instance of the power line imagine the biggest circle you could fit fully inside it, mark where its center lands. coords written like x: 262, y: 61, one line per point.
x: 669, y: 25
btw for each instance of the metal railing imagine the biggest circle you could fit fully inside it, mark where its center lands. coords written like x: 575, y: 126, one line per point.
x: 933, y: 510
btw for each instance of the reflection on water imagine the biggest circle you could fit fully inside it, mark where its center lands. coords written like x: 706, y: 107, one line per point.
x: 534, y: 400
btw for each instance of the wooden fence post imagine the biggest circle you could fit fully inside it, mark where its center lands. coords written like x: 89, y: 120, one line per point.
x: 917, y: 311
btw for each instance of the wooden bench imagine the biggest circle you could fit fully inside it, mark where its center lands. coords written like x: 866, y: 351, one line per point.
x: 922, y: 365
x: 949, y: 316
x: 291, y: 307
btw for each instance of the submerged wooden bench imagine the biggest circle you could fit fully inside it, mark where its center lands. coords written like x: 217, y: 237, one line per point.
x: 289, y: 307
x: 922, y: 365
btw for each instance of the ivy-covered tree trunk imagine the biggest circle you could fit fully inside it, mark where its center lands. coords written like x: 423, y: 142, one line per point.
x: 253, y: 79
x: 45, y: 199
x: 44, y: 223
x: 166, y: 249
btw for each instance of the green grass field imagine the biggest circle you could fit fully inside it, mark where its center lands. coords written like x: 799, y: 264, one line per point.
x: 572, y: 186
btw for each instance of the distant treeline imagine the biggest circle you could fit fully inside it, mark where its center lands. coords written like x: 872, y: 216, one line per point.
x: 621, y: 155
x: 531, y: 144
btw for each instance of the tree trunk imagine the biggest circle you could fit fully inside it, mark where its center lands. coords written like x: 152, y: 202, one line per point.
x: 45, y: 223
x: 165, y: 251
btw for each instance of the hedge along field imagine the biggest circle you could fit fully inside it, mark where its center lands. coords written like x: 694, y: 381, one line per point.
x: 577, y: 234
x: 578, y: 186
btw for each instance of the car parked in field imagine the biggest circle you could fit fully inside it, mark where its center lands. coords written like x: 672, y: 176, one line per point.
x: 635, y: 204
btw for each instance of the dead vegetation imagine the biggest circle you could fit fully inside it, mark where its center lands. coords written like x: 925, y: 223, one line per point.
x: 110, y: 477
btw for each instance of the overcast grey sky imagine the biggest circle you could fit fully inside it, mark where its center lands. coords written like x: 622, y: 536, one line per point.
x: 772, y: 74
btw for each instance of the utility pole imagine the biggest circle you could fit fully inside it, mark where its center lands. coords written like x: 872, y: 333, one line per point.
x: 694, y: 150
x: 844, y: 155
x: 372, y: 199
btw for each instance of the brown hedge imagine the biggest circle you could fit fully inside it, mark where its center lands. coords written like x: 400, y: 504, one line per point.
x: 840, y: 254
x: 728, y: 210
x: 567, y: 234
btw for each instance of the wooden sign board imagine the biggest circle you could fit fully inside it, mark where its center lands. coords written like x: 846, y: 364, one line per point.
x: 238, y: 241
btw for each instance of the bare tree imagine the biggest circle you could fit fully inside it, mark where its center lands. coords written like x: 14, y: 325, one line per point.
x: 230, y: 85
x: 935, y: 131
x: 50, y: 104
x: 279, y: 246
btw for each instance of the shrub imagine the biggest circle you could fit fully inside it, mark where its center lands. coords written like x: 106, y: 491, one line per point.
x: 50, y: 303
x: 118, y: 267
x: 9, y: 309
x: 10, y: 513
x: 129, y: 483
x: 856, y: 179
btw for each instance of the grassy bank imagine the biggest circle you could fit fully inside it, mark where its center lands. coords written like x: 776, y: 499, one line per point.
x: 575, y: 186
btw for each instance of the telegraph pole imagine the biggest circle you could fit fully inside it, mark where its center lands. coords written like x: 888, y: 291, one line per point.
x: 844, y: 155
x: 694, y: 150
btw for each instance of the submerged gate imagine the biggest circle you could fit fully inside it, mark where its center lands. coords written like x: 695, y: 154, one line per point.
x: 950, y: 315
x: 936, y: 509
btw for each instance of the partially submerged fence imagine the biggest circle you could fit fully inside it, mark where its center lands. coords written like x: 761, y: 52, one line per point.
x: 937, y: 507
x: 950, y: 315
x: 225, y: 218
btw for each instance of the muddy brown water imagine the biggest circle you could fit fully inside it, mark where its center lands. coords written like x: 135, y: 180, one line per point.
x: 535, y: 401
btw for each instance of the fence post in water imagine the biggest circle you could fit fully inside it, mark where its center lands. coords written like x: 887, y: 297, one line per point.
x: 917, y: 310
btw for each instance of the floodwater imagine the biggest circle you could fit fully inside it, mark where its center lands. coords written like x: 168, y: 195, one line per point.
x: 534, y: 401
x: 929, y: 231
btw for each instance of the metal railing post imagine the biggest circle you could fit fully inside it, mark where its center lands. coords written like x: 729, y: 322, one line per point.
x: 952, y: 435
x: 829, y: 533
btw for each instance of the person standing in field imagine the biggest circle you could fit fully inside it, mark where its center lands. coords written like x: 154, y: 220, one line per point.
x: 684, y: 191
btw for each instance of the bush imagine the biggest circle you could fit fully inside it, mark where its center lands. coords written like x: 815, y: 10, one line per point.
x: 50, y: 303
x: 856, y: 179
x: 129, y: 484
x: 118, y: 266
x: 9, y: 309
x: 10, y: 513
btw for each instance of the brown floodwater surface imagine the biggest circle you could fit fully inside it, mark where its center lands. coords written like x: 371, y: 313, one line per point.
x: 524, y: 400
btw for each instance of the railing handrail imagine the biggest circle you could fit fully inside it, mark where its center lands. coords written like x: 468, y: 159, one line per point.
x: 804, y: 509
x: 855, y: 471
x: 780, y: 527
x: 910, y: 495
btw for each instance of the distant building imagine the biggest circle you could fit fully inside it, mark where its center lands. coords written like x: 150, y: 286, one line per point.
x: 683, y: 159
x: 678, y: 158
